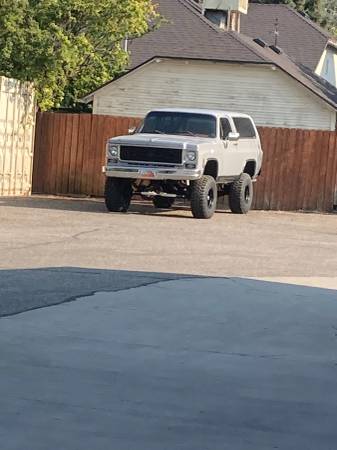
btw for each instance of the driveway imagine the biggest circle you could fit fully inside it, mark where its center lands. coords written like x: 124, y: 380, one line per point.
x: 155, y: 331
x: 40, y: 232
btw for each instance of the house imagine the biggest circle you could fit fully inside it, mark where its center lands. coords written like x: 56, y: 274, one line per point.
x: 210, y: 56
x: 299, y: 37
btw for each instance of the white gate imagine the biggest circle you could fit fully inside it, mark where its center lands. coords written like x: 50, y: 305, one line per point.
x: 17, y: 122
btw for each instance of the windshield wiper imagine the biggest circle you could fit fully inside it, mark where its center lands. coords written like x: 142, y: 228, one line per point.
x: 187, y: 133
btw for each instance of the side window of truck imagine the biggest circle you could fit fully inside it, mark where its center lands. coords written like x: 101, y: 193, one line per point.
x: 225, y: 127
x: 245, y: 127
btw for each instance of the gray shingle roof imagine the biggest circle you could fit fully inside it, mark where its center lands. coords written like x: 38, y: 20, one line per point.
x: 188, y: 33
x: 299, y: 37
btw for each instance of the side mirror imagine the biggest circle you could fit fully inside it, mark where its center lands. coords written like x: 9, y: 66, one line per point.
x: 132, y: 130
x: 232, y: 137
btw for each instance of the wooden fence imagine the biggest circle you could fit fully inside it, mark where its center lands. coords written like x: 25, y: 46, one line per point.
x: 299, y: 170
x: 70, y: 152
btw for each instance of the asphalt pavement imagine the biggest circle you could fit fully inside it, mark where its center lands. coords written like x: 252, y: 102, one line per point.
x: 50, y: 232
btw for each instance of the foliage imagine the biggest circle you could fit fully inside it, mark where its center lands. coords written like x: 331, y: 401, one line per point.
x: 329, y: 17
x: 323, y: 12
x: 68, y: 47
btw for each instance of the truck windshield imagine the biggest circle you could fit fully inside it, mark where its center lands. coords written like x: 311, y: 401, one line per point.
x: 179, y: 123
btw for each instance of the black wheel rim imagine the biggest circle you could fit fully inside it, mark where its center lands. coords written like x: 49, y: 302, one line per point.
x: 210, y: 198
x: 247, y: 194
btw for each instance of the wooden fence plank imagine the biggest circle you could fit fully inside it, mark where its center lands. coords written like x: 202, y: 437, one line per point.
x: 287, y: 194
x: 259, y: 188
x: 334, y: 178
x: 306, y: 170
x: 312, y: 172
x: 262, y: 187
x: 267, y: 168
x: 86, y: 131
x: 108, y: 131
x: 47, y: 154
x: 322, y: 168
x: 294, y: 201
x: 59, y: 168
x: 274, y: 168
x: 281, y: 180
x: 38, y: 146
x: 319, y: 157
x: 73, y: 154
x: 328, y: 194
x: 300, y: 165
x: 95, y: 156
x: 80, y: 153
x: 66, y: 153
x: 54, y: 131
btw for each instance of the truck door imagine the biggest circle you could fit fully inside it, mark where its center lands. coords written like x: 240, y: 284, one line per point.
x: 231, y: 159
x: 248, y: 144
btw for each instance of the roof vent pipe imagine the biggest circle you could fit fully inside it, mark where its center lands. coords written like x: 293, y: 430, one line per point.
x: 276, y: 49
x: 260, y: 42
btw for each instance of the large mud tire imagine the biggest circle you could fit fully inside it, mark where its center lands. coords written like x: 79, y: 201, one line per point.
x: 241, y: 195
x: 118, y: 193
x: 204, y: 196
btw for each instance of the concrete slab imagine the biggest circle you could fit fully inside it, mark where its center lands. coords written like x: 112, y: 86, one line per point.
x: 319, y: 282
x: 201, y: 364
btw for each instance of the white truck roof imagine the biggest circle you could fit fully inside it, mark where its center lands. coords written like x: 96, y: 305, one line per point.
x: 212, y: 112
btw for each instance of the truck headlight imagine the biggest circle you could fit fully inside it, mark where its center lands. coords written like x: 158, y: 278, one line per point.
x: 112, y: 150
x: 191, y: 156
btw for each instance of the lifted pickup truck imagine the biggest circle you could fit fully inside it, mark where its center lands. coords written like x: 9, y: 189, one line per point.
x: 193, y: 154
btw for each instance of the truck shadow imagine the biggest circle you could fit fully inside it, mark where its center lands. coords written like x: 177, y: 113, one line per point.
x: 96, y: 205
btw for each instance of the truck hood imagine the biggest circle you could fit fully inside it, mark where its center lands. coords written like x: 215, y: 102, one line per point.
x: 162, y: 140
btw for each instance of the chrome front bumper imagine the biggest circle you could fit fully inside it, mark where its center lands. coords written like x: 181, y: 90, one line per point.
x: 151, y: 173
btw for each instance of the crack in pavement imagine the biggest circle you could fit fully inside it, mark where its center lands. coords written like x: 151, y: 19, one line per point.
x: 59, y: 241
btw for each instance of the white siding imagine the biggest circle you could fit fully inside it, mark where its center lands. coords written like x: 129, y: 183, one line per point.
x: 17, y: 120
x: 270, y: 96
x: 327, y: 67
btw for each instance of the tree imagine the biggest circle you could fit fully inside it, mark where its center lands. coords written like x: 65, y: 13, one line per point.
x: 329, y: 19
x: 68, y: 47
x: 322, y: 11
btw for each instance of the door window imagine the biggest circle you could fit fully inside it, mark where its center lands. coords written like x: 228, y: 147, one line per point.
x: 245, y: 127
x: 225, y: 128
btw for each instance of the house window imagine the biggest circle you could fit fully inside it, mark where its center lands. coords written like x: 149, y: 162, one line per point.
x: 219, y: 18
x: 327, y: 66
x: 245, y: 127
